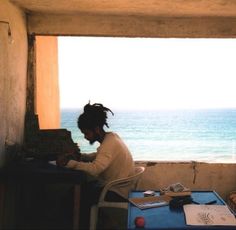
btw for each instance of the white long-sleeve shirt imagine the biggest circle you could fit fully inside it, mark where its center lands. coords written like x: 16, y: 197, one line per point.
x: 112, y: 161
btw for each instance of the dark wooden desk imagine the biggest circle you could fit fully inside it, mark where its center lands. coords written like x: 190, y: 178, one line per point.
x: 39, y: 172
x: 163, y: 218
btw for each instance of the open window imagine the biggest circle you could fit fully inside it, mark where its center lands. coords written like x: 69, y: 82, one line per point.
x: 173, y: 98
x: 178, y: 103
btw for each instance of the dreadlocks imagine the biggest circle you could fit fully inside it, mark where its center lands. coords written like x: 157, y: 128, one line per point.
x: 93, y: 116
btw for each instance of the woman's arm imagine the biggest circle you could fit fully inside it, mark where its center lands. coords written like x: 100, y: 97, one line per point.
x: 88, y: 157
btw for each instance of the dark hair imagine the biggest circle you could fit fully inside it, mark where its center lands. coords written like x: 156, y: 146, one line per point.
x: 93, y: 116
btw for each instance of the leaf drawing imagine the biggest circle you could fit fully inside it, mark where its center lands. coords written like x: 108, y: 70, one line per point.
x: 204, y: 217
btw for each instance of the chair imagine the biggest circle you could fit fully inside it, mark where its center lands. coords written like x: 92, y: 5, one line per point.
x: 102, y: 203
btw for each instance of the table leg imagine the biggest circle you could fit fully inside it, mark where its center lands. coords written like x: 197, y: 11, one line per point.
x: 76, y: 212
x: 2, y: 197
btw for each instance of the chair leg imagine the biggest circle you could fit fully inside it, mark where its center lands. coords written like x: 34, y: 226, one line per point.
x: 93, y: 217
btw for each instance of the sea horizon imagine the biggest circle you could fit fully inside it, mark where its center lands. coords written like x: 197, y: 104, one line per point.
x: 167, y: 134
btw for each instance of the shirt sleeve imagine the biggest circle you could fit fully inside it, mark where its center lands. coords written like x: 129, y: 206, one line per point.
x: 87, y: 157
x: 102, y: 161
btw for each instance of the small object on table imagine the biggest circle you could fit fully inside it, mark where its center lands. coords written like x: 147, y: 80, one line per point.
x: 177, y: 187
x: 175, y: 190
x: 150, y: 201
x: 179, y: 202
x: 149, y: 193
x: 139, y: 222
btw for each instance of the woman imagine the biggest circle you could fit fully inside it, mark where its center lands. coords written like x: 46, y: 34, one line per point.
x: 112, y: 160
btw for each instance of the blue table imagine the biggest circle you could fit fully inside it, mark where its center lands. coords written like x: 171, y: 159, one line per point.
x: 165, y: 218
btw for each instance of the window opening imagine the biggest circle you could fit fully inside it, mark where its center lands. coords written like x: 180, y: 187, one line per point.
x: 173, y: 99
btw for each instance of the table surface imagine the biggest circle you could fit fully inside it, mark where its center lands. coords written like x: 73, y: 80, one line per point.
x: 40, y: 171
x: 166, y: 218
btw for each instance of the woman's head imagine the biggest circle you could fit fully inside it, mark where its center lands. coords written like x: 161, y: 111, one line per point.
x: 92, y: 120
x: 94, y: 116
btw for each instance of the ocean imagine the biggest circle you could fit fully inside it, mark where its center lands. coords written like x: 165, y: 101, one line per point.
x: 207, y: 135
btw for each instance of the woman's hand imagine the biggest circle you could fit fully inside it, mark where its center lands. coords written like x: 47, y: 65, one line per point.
x: 62, y: 160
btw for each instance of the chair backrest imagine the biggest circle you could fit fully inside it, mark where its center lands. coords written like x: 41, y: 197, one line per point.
x: 124, y: 182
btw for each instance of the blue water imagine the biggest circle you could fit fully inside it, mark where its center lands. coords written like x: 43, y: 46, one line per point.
x: 183, y: 135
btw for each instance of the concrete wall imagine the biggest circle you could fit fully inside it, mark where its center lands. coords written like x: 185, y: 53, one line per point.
x: 13, y: 69
x: 132, y: 25
x: 47, y: 105
x: 197, y: 176
x: 13, y: 75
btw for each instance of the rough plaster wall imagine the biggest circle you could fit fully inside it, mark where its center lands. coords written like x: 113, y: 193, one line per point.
x: 197, y: 176
x: 3, y: 87
x: 13, y: 56
x: 47, y: 87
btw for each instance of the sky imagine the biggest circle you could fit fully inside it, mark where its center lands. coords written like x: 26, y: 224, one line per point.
x: 147, y: 73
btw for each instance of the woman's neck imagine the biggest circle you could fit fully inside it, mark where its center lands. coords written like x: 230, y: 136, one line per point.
x: 102, y: 135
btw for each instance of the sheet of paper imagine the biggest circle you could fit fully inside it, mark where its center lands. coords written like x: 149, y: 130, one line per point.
x: 52, y: 162
x: 208, y: 215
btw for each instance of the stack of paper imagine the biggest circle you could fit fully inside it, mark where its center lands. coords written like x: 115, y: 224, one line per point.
x: 150, y: 202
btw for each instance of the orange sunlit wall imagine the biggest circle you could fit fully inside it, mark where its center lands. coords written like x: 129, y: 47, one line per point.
x: 47, y: 104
